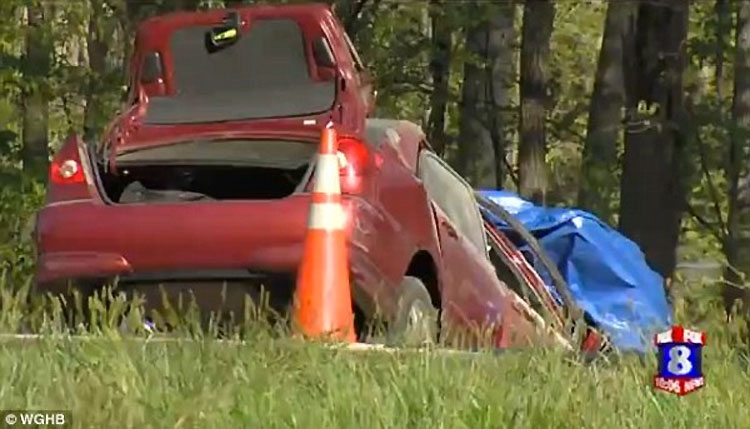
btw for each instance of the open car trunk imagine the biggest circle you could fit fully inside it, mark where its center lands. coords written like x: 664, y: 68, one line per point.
x: 204, y: 170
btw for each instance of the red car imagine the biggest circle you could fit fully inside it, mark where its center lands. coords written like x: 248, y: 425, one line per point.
x: 209, y: 211
x: 203, y: 184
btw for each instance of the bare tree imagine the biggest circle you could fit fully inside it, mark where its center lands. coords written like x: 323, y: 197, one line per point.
x: 36, y: 67
x: 538, y: 17
x: 488, y: 79
x: 440, y: 61
x: 652, y: 194
x: 502, y: 76
x: 598, y: 183
x: 737, y: 159
x: 97, y: 45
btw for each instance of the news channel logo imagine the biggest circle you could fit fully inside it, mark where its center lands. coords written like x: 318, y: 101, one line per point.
x: 680, y: 360
x: 35, y: 418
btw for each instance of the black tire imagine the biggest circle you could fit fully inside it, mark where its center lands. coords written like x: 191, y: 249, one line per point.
x: 416, y: 322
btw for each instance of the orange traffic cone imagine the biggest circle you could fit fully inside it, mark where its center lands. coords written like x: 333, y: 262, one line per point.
x: 323, y: 304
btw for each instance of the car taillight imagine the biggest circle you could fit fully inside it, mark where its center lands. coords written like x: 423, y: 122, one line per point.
x: 67, y: 171
x: 353, y: 164
x: 67, y: 180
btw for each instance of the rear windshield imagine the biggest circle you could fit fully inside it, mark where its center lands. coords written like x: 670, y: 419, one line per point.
x: 265, y: 74
x: 239, y: 152
x: 271, y: 53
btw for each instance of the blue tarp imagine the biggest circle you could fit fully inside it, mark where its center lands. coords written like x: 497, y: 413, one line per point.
x: 606, y: 272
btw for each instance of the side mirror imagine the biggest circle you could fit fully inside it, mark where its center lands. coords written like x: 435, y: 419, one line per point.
x: 225, y: 34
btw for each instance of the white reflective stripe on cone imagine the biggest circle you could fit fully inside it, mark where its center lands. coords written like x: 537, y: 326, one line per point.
x: 327, y: 216
x: 327, y: 175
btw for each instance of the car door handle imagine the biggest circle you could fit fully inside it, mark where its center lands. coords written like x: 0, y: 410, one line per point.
x: 449, y: 229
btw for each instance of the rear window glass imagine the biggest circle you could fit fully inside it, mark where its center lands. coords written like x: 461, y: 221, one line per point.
x: 270, y: 53
x: 263, y: 75
x: 261, y: 153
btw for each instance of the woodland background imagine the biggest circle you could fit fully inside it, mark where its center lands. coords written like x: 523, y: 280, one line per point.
x: 636, y: 110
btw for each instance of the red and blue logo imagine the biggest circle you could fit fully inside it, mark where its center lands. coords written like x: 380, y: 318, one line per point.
x: 680, y: 360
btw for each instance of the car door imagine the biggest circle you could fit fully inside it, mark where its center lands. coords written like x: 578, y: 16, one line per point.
x: 475, y: 303
x: 532, y: 299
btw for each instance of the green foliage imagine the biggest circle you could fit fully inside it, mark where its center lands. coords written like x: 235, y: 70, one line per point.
x: 708, y: 82
x: 575, y: 43
x: 395, y: 48
x: 19, y: 198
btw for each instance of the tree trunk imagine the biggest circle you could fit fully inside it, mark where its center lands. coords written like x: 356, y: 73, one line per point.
x: 538, y: 17
x: 502, y: 77
x: 97, y: 46
x: 598, y: 183
x: 36, y: 67
x: 135, y: 12
x: 723, y: 27
x: 652, y: 194
x: 738, y: 146
x: 440, y: 63
x: 485, y: 91
x: 349, y: 12
x: 475, y: 152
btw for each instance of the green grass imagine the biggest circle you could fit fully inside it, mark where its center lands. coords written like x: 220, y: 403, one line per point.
x: 111, y: 382
x: 271, y: 382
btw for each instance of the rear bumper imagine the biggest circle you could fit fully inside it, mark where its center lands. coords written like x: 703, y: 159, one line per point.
x: 58, y: 266
x: 62, y: 266
x: 93, y: 241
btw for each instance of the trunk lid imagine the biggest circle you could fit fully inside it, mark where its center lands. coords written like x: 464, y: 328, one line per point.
x: 279, y: 64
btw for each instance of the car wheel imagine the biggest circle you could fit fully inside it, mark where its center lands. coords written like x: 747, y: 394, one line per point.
x: 416, y: 319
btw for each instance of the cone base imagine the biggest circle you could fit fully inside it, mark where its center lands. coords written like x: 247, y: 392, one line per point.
x: 323, y: 303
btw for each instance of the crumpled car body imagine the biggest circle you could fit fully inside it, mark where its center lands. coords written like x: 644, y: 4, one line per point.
x: 606, y: 273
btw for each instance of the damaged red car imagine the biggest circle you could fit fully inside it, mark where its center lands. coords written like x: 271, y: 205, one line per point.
x: 224, y: 215
x: 203, y: 186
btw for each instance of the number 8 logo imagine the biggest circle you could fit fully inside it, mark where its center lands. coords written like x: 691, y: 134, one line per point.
x: 679, y: 360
